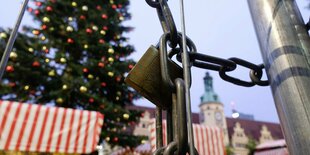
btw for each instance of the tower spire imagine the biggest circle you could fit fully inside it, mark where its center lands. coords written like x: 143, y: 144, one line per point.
x: 209, y: 94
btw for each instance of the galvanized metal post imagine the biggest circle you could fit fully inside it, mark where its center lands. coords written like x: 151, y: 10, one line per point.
x: 285, y: 48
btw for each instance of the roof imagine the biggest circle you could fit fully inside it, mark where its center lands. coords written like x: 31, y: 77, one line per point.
x: 252, y: 128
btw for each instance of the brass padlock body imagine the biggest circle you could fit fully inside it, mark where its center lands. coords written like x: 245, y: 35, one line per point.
x: 145, y: 78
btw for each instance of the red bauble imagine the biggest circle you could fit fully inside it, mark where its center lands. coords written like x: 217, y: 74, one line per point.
x: 105, y: 28
x: 70, y: 41
x: 115, y: 139
x: 82, y: 17
x: 36, y: 12
x: 9, y: 68
x: 36, y: 64
x: 118, y: 79
x: 119, y: 5
x: 130, y: 66
x: 91, y: 100
x: 114, y: 6
x: 101, y: 41
x: 49, y: 8
x: 30, y: 9
x: 88, y: 30
x: 104, y: 16
x: 44, y: 27
x: 38, y: 3
x: 46, y: 51
x: 85, y: 70
x: 12, y: 84
x: 103, y: 84
x: 98, y: 7
x: 101, y: 64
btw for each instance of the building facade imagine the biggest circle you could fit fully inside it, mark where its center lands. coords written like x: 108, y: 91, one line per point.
x: 237, y: 131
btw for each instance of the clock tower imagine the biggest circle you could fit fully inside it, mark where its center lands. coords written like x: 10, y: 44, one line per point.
x: 211, y: 109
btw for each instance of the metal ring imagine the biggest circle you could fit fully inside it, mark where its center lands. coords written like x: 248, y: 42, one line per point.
x: 153, y: 4
x: 257, y: 75
x: 171, y: 148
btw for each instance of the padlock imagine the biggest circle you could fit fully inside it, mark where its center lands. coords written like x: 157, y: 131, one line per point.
x: 145, y: 78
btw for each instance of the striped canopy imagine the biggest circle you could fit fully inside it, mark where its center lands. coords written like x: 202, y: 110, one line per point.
x: 37, y: 128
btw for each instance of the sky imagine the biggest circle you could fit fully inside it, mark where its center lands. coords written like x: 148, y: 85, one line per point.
x: 221, y: 28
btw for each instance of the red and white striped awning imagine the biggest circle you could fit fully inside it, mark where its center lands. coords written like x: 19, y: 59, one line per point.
x: 207, y: 140
x: 30, y: 127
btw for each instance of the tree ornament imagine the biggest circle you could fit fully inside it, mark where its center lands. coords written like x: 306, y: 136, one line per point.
x: 111, y: 50
x: 100, y: 64
x: 69, y: 28
x: 83, y: 89
x: 47, y: 60
x: 63, y: 60
x: 110, y: 59
x: 46, y: 19
x: 105, y: 28
x: 107, y: 139
x: 13, y: 55
x: 52, y: 73
x: 26, y: 87
x: 117, y: 98
x: 38, y: 3
x: 90, y: 76
x: 30, y: 50
x: 12, y: 84
x: 85, y: 70
x: 59, y: 100
x: 36, y: 64
x: 111, y: 1
x: 95, y: 28
x: 104, y: 16
x: 118, y: 79
x: 85, y: 46
x: 103, y: 84
x: 43, y: 27
x: 35, y: 32
x: 130, y: 66
x: 84, y: 8
x: 98, y: 7
x: 30, y: 10
x: 49, y: 8
x: 111, y: 74
x: 43, y: 38
x: 82, y: 17
x: 44, y: 48
x: 126, y: 116
x: 101, y: 41
x: 36, y: 12
x: 88, y: 30
x: 64, y: 87
x: 3, y: 35
x: 114, y: 6
x: 119, y: 5
x: 91, y: 100
x: 9, y: 68
x: 102, y: 32
x: 70, y: 41
x: 51, y: 28
x: 74, y: 4
x: 121, y: 18
x: 70, y: 19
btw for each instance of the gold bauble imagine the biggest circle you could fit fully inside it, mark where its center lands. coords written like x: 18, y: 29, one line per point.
x: 95, y: 28
x: 13, y: 55
x: 69, y: 28
x: 102, y: 32
x: 3, y: 35
x: 51, y: 73
x: 46, y: 19
x: 84, y: 8
x: 107, y: 139
x: 43, y: 38
x: 110, y: 59
x: 70, y: 19
x: 59, y: 100
x: 85, y: 46
x: 74, y: 4
x: 83, y: 89
x: 64, y: 87
x: 30, y: 49
x: 44, y: 48
x: 90, y: 76
x: 27, y: 87
x: 47, y: 60
x: 111, y: 50
x: 111, y: 74
x: 111, y: 1
x: 63, y: 60
x: 126, y: 116
x: 121, y: 18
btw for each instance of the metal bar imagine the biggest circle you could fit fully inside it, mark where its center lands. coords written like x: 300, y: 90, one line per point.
x: 159, y: 128
x: 285, y: 48
x: 187, y: 80
x: 169, y: 125
x: 9, y: 46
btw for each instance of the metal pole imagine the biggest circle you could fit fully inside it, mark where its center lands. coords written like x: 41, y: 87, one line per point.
x: 11, y: 41
x: 285, y: 48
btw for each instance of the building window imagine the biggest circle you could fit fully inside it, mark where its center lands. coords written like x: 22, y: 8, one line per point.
x: 143, y: 125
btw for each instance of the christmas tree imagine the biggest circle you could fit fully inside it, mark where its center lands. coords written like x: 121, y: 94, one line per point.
x: 75, y: 56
